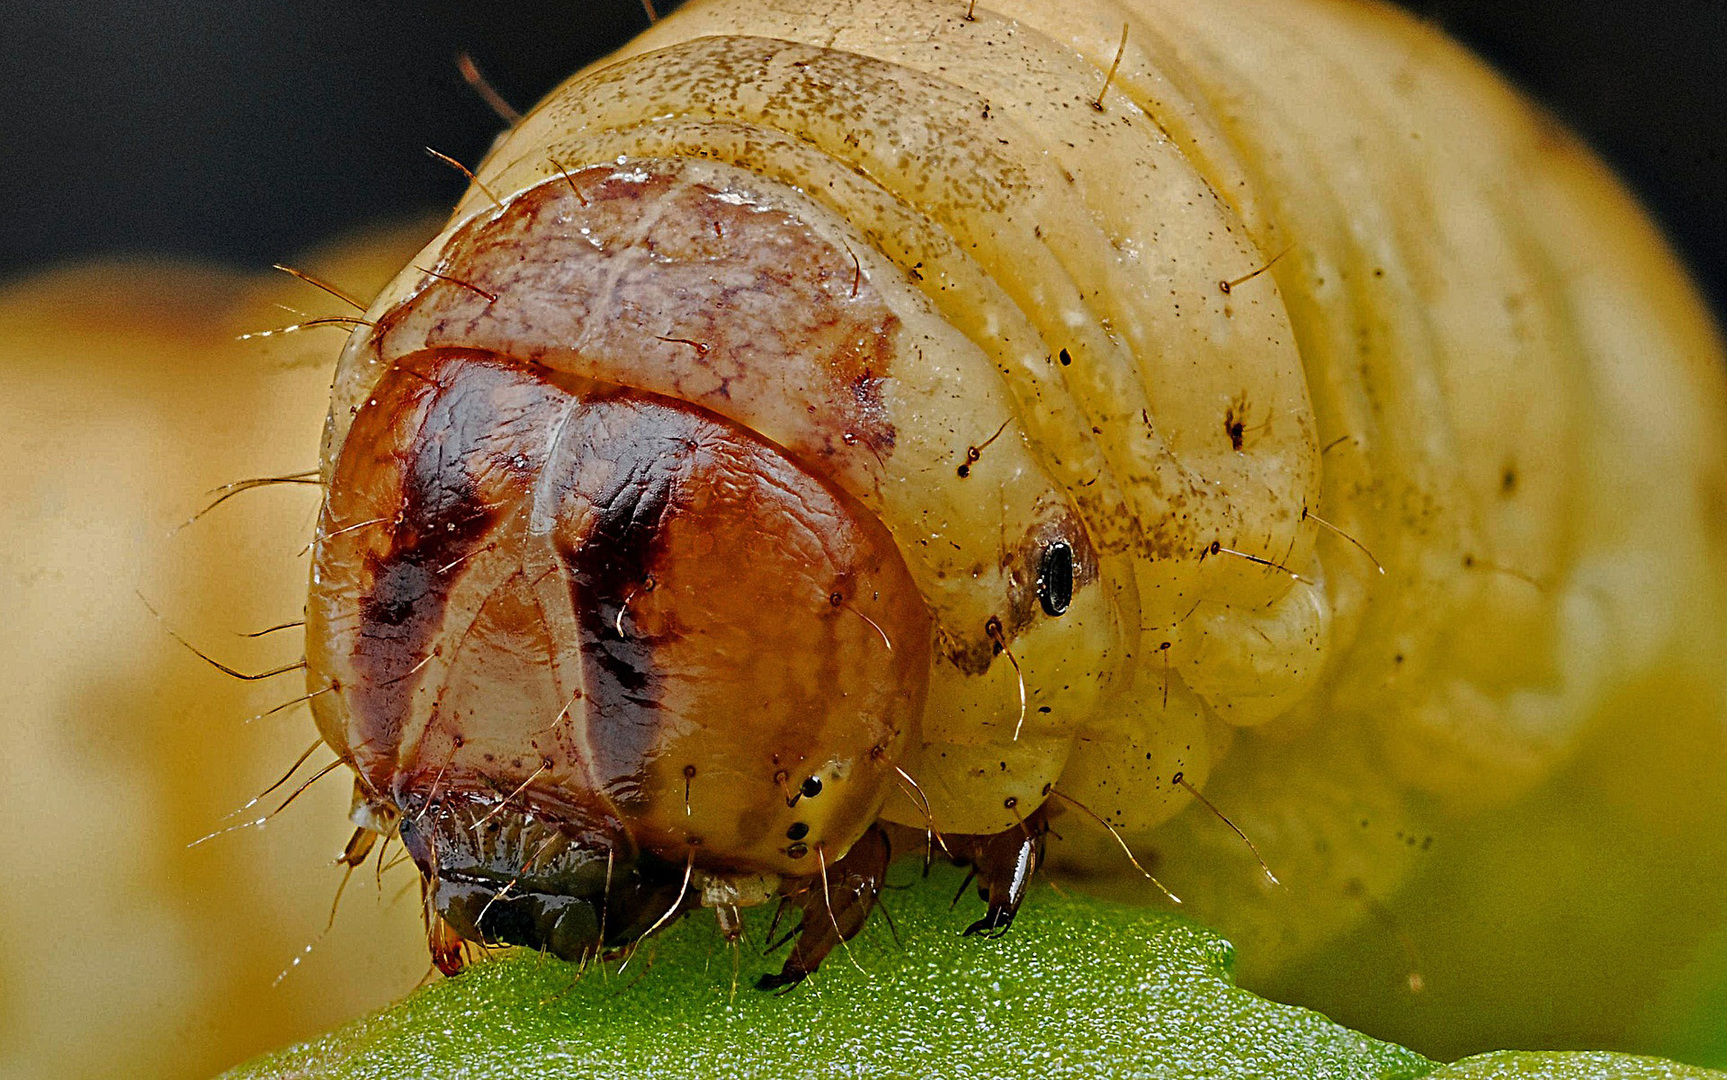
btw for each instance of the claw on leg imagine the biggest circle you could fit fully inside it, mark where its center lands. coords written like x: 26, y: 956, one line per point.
x: 1004, y: 864
x: 359, y: 846
x: 833, y: 913
x: 446, y: 946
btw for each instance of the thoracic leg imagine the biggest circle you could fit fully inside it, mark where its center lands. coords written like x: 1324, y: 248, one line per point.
x: 834, y: 913
x: 1004, y: 864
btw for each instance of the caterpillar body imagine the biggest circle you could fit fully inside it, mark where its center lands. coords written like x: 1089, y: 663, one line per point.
x: 949, y: 416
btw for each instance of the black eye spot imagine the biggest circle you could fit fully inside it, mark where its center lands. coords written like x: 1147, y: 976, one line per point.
x: 797, y: 851
x: 812, y: 787
x: 1055, y: 578
x: 798, y: 831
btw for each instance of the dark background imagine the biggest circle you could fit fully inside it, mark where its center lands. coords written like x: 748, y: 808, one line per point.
x: 246, y: 131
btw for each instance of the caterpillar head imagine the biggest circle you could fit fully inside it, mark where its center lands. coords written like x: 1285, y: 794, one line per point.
x: 597, y: 612
x: 589, y: 625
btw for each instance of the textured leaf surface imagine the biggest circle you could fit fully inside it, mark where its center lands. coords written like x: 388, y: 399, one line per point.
x: 1078, y: 988
x: 1508, y: 1065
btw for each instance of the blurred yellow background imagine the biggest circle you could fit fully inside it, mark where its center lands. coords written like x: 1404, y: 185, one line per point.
x: 122, y: 950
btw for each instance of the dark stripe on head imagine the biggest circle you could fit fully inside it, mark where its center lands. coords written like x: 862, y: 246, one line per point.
x: 612, y: 563
x: 457, y: 472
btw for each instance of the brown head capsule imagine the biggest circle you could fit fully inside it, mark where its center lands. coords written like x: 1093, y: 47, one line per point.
x: 599, y: 620
x: 530, y: 733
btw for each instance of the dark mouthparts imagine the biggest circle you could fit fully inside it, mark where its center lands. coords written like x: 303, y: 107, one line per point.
x: 510, y: 876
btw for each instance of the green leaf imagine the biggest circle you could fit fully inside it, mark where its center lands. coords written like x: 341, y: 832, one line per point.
x: 1079, y: 987
x: 1524, y: 1065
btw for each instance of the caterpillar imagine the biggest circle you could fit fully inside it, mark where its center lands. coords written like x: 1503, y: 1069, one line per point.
x: 947, y: 418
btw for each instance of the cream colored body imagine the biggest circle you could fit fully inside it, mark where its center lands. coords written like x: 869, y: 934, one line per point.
x: 1470, y: 353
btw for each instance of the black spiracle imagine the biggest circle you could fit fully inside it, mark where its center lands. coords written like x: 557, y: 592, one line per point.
x: 1055, y: 578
